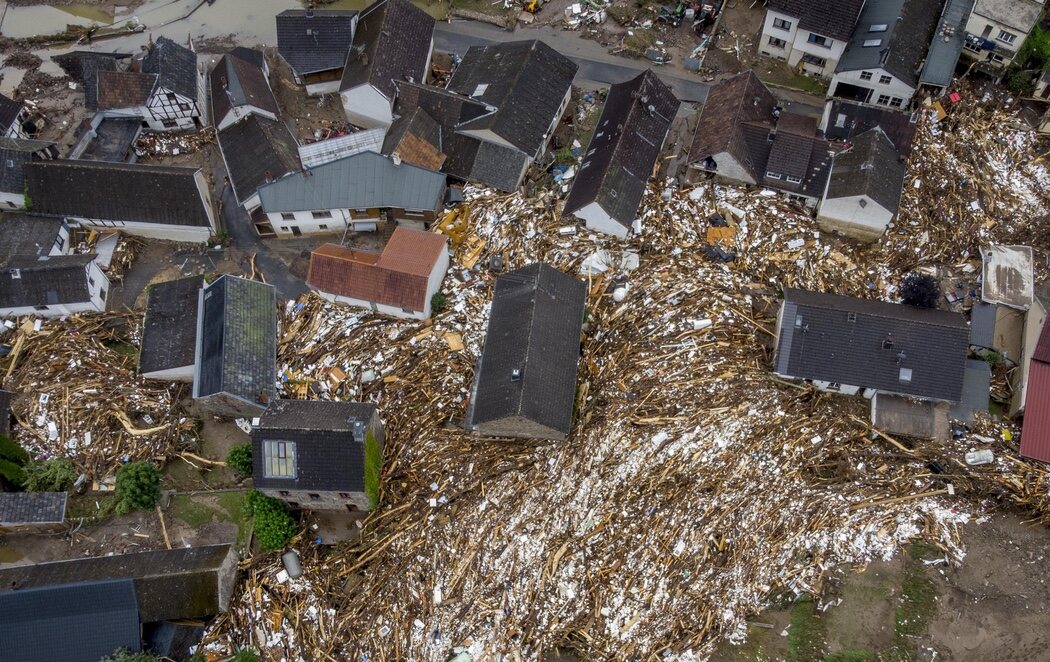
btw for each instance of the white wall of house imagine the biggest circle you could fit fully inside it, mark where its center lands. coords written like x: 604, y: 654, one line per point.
x: 437, y: 274
x: 16, y: 130
x: 992, y: 29
x: 180, y: 374
x: 1034, y: 320
x: 728, y: 168
x: 307, y: 222
x: 597, y: 219
x: 882, y: 94
x: 238, y: 113
x: 796, y: 44
x: 366, y: 107
x: 856, y: 216
x: 183, y: 233
x: 319, y: 89
x: 170, y: 111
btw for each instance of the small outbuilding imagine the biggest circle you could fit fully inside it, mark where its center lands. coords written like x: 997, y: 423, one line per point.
x: 169, y: 330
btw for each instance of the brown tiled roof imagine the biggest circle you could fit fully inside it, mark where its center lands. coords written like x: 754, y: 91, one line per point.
x: 731, y: 103
x: 397, y: 277
x: 416, y: 139
x: 124, y: 89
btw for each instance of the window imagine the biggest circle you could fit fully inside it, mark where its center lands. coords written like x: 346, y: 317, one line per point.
x: 284, y: 228
x: 840, y: 120
x: 819, y: 40
x: 323, y: 226
x: 781, y: 24
x: 774, y: 175
x: 314, y: 497
x: 813, y: 60
x: 322, y: 214
x: 91, y: 281
x: 878, y: 27
x: 851, y: 317
x: 407, y: 310
x: 863, y: 203
x: 794, y: 180
x: 870, y: 43
x: 169, y: 124
x: 287, y: 216
x: 344, y: 495
x: 60, y: 242
x: 883, y: 100
x: 777, y: 43
x: 905, y: 375
x: 995, y: 57
x: 885, y: 80
x: 896, y: 102
x: 102, y: 294
x: 172, y: 97
x: 1007, y: 37
x: 184, y: 106
x: 15, y: 274
x: 279, y: 459
x: 865, y: 75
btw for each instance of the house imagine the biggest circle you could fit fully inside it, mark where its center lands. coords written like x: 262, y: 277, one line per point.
x: 235, y: 371
x: 810, y: 34
x: 415, y: 138
x: 239, y: 87
x: 946, y: 47
x: 843, y: 120
x: 31, y: 511
x: 864, y: 190
x: 525, y: 383
x: 400, y: 281
x: 357, y: 192
x: 314, y: 43
x: 75, y: 622
x: 169, y: 584
x: 393, y: 42
x: 312, y: 453
x: 883, y: 58
x: 333, y: 149
x: 83, y: 67
x: 1032, y: 329
x: 15, y: 153
x: 13, y: 118
x: 627, y: 140
x: 742, y: 136
x: 848, y: 345
x: 157, y: 202
x: 169, y: 330
x: 997, y: 28
x: 256, y: 150
x: 1035, y: 429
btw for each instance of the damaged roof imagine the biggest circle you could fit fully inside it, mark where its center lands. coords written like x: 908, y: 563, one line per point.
x: 829, y: 18
x: 315, y: 41
x: 1008, y: 276
x: 15, y: 153
x: 175, y: 66
x: 392, y: 43
x: 124, y: 89
x: 871, y: 167
x: 415, y: 138
x: 892, y: 35
x: 731, y: 103
x: 169, y: 327
x: 257, y: 150
x: 947, y: 44
x: 9, y: 110
x: 623, y: 150
x: 83, y: 66
x: 237, y: 82
x: 849, y: 118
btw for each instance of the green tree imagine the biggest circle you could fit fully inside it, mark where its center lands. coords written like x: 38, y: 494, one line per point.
x: 246, y: 655
x: 373, y: 468
x: 240, y: 459
x: 438, y: 303
x: 274, y: 526
x: 138, y: 487
x: 124, y: 655
x: 12, y: 460
x: 54, y: 475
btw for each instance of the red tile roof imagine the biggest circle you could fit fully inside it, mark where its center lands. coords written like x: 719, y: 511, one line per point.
x: 397, y: 277
x: 1035, y: 433
x: 124, y: 89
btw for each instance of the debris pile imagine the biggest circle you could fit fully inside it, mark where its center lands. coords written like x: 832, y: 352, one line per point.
x: 173, y: 144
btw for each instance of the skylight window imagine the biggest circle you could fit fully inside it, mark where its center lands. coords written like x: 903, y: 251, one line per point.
x: 878, y: 27
x: 868, y: 43
x: 480, y: 89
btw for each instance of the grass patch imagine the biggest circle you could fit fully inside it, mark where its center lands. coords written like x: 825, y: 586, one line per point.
x: 918, y: 604
x: 852, y: 655
x: 373, y: 468
x: 233, y: 504
x: 484, y: 7
x: 641, y: 40
x: 806, y: 634
x: 91, y: 506
x: 192, y: 512
x: 585, y: 124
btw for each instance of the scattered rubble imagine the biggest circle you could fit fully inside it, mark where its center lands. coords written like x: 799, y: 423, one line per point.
x: 173, y: 144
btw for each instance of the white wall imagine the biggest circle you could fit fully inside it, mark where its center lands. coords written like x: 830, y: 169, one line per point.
x: 437, y: 274
x: 895, y: 88
x: 366, y: 107
x: 327, y: 87
x: 183, y: 233
x: 765, y: 48
x: 379, y: 308
x: 9, y: 199
x: 846, y: 215
x: 976, y: 26
x: 1034, y: 320
x: 598, y: 219
x: 798, y: 45
x: 728, y: 168
x: 307, y: 224
x: 209, y: 204
x: 180, y: 374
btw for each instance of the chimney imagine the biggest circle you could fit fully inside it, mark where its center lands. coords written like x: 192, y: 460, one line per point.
x: 396, y: 158
x: 268, y: 175
x: 515, y: 375
x: 310, y: 9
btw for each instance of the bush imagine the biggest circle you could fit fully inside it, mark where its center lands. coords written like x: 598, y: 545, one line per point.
x: 274, y: 526
x: 240, y: 459
x: 373, y: 468
x: 12, y: 460
x: 55, y: 475
x: 246, y: 655
x: 138, y: 487
x: 124, y: 655
x: 438, y: 303
x: 920, y: 290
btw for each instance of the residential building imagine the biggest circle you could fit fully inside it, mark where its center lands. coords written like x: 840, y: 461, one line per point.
x: 169, y: 330
x: 240, y: 87
x: 946, y: 47
x: 13, y: 118
x: 997, y: 28
x: 742, y: 136
x: 169, y: 584
x: 400, y: 281
x: 393, y: 42
x: 848, y: 345
x: 864, y: 190
x: 843, y: 120
x: 75, y: 622
x: 810, y: 34
x: 257, y: 150
x: 627, y: 140
x: 315, y: 44
x: 236, y: 350
x: 525, y: 382
x: 415, y: 138
x: 333, y: 149
x: 157, y: 202
x: 883, y: 58
x: 15, y: 153
x: 312, y: 453
x: 1035, y: 429
x: 358, y: 192
x: 31, y: 511
x: 83, y: 67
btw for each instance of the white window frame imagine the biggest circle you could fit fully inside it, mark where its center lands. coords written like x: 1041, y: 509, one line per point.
x: 865, y: 75
x: 773, y: 175
x: 275, y: 466
x: 883, y: 100
x: 885, y: 80
x: 1006, y: 37
x: 781, y: 24
x: 776, y: 42
x: 794, y: 180
x: 321, y: 214
x: 896, y: 102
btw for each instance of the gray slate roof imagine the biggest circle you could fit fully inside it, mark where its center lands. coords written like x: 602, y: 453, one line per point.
x: 169, y: 328
x: 392, y: 43
x: 32, y: 507
x: 312, y: 44
x: 133, y: 192
x: 9, y: 110
x: 858, y: 118
x: 870, y: 167
x: 474, y: 160
x: 6, y: 398
x: 830, y: 18
x: 871, y: 344
x: 44, y: 281
x: 902, y: 46
x: 364, y: 180
x: 73, y: 623
x: 256, y: 150
x: 175, y: 66
x: 947, y: 44
x: 534, y: 326
x: 525, y: 80
x: 238, y: 338
x: 627, y: 141
x: 237, y: 82
x: 14, y: 154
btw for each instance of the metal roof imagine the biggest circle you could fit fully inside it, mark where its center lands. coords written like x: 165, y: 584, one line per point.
x: 947, y: 44
x: 1035, y: 432
x: 1007, y: 276
x: 333, y: 149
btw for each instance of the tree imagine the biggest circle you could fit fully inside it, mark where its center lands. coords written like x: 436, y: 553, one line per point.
x: 55, y: 475
x: 12, y: 460
x: 138, y: 487
x: 124, y: 655
x: 274, y: 526
x: 246, y: 655
x: 438, y: 303
x: 240, y: 459
x: 373, y: 468
x: 920, y: 290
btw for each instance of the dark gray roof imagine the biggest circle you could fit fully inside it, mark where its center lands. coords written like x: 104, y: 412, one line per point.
x: 169, y: 328
x: 392, y: 43
x: 9, y: 110
x: 6, y: 398
x: 32, y: 507
x: 793, y: 145
x: 114, y: 140
x: 44, y: 281
x: 982, y: 324
x: 132, y: 192
x: 627, y: 141
x: 977, y: 379
x: 175, y: 66
x: 238, y: 352
x: 256, y: 150
x: 170, y: 584
x: 448, y: 109
x: 311, y: 44
x: 362, y: 181
x: 830, y: 18
x: 901, y: 47
x: 856, y: 118
x: 27, y: 235
x: 314, y: 415
x: 84, y: 66
x: 252, y: 56
x: 759, y: 150
x: 14, y: 154
x: 525, y: 80
x: 872, y: 344
x: 870, y: 167
x: 237, y: 82
x: 534, y: 326
x: 73, y: 623
x: 946, y: 44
